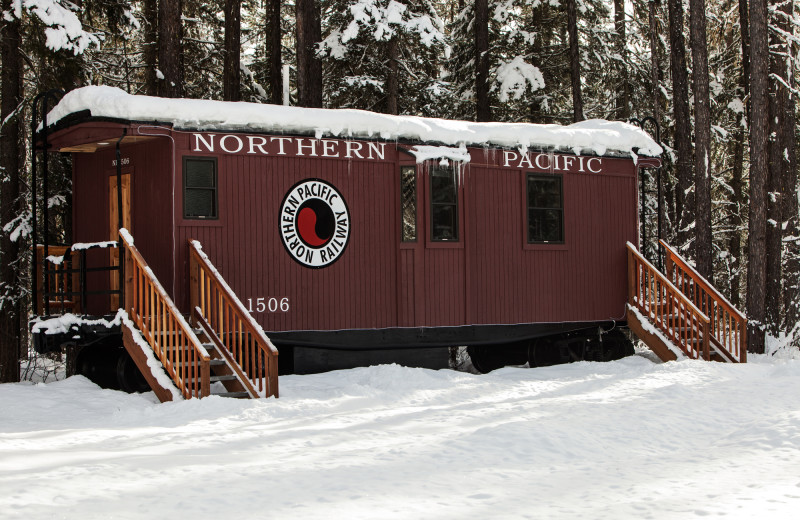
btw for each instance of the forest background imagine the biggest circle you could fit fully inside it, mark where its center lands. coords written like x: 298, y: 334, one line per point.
x: 718, y: 77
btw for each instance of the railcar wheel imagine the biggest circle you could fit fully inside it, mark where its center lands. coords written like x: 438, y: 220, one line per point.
x: 129, y: 378
x: 98, y: 363
x: 544, y: 352
x: 616, y: 345
x: 486, y: 358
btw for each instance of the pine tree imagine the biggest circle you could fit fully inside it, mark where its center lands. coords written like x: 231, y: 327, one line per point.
x: 232, y: 72
x: 703, y: 247
x: 170, y: 53
x: 383, y: 55
x: 684, y: 207
x: 10, y: 166
x: 309, y: 65
x: 759, y: 174
x: 574, y: 61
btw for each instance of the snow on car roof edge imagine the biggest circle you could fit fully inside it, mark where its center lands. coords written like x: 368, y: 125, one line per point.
x: 597, y: 136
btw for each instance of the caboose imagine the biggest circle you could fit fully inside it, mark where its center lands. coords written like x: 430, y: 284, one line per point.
x: 342, y: 238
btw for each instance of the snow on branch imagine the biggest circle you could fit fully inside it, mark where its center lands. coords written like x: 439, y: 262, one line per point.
x: 383, y: 20
x: 64, y: 30
x: 514, y: 77
x: 20, y: 226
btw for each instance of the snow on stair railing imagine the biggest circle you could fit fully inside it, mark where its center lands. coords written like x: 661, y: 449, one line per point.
x: 667, y: 307
x: 240, y: 334
x: 728, y: 324
x: 174, y: 342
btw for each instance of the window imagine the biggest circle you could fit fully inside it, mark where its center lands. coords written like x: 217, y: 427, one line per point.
x: 408, y: 203
x: 200, y: 187
x: 545, y: 210
x: 444, y: 205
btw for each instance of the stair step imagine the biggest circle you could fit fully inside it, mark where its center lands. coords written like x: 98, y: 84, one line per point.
x: 229, y: 377
x: 212, y: 363
x: 232, y: 394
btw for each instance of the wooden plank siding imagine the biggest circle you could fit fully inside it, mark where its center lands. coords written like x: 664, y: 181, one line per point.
x: 581, y: 280
x: 491, y: 276
x: 357, y: 291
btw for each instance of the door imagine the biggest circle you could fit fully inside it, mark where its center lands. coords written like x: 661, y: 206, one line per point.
x: 432, y: 271
x: 113, y: 226
x: 411, y: 304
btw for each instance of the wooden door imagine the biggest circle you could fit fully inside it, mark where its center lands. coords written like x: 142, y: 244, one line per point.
x: 113, y: 225
x: 432, y: 272
x: 410, y: 292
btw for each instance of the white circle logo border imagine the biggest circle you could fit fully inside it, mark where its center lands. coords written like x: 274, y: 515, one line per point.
x: 300, y: 251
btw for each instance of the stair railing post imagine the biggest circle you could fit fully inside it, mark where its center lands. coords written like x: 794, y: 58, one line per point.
x: 205, y: 378
x: 194, y: 282
x: 706, y: 333
x: 631, y: 276
x: 127, y: 267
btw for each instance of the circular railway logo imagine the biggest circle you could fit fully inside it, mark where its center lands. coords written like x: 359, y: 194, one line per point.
x: 315, y: 223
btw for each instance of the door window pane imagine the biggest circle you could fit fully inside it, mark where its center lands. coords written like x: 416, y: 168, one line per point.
x: 444, y: 205
x: 408, y: 203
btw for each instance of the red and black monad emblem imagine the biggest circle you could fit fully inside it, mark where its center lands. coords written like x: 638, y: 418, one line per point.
x: 315, y: 223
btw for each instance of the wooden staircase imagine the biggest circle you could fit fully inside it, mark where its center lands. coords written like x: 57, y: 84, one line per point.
x: 225, y: 353
x: 680, y: 314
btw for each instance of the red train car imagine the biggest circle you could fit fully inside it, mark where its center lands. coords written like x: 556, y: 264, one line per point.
x: 355, y: 237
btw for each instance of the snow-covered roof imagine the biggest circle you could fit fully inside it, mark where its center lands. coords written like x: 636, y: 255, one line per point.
x: 595, y: 136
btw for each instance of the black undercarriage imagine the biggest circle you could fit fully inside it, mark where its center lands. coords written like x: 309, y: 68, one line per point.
x: 96, y: 351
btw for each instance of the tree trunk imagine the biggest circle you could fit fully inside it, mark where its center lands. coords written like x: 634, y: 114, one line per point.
x: 274, y: 51
x: 575, y: 61
x: 232, y: 72
x: 680, y: 98
x: 309, y: 66
x: 759, y: 173
x: 735, y: 244
x: 655, y: 62
x: 623, y: 91
x: 483, y: 109
x: 703, y: 247
x: 150, y: 11
x: 791, y: 267
x: 737, y: 184
x: 392, y: 77
x: 170, y: 34
x: 10, y: 166
x: 774, y: 186
x: 787, y: 159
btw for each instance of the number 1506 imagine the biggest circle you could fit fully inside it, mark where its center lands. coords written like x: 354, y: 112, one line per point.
x: 268, y: 305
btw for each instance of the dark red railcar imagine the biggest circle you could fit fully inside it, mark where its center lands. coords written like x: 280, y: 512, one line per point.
x: 367, y: 247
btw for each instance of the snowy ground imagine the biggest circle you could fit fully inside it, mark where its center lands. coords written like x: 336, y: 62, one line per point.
x: 629, y: 439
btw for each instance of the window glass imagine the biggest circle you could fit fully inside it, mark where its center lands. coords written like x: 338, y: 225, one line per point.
x: 545, y: 209
x: 408, y: 203
x: 200, y: 187
x: 444, y: 205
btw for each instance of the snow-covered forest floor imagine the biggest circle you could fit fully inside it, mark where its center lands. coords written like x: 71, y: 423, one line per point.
x: 627, y: 439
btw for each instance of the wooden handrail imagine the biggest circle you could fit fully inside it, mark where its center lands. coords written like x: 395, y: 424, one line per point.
x: 241, y: 336
x: 667, y: 307
x: 62, y: 281
x: 174, y: 342
x: 728, y: 324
